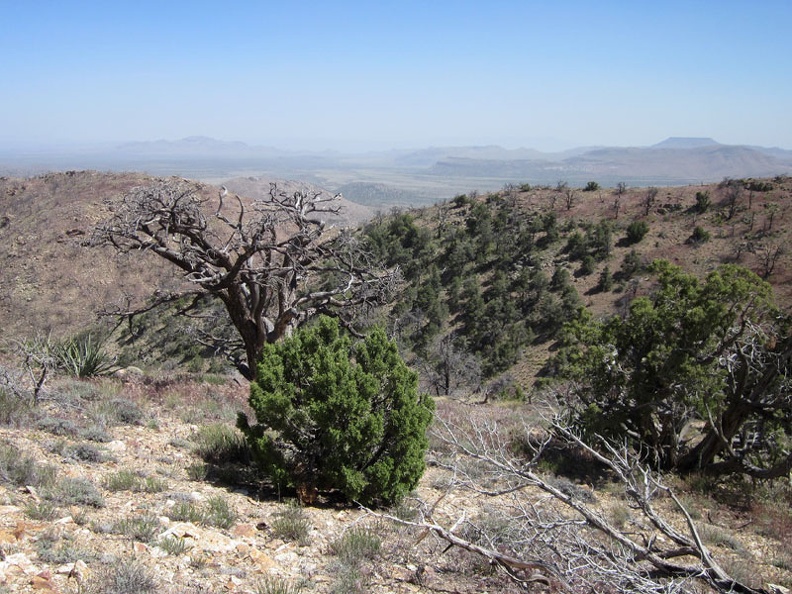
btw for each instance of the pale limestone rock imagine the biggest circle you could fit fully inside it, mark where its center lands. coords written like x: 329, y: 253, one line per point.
x: 116, y: 446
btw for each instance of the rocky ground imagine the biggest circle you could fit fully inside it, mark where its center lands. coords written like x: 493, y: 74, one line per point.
x: 104, y: 488
x: 130, y: 508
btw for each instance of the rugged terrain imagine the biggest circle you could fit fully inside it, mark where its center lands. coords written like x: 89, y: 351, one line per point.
x: 116, y: 477
x: 110, y: 491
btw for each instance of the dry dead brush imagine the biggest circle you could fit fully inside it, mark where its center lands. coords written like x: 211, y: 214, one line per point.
x: 560, y: 538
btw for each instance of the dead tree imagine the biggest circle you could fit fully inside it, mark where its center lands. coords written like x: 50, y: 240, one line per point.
x: 559, y: 537
x: 273, y: 264
x: 649, y: 199
x: 734, y: 191
x: 569, y: 198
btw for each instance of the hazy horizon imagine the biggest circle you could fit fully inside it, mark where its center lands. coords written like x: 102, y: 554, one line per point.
x: 361, y: 76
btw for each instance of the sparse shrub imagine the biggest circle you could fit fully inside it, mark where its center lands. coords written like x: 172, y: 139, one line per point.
x: 116, y: 411
x: 186, y: 511
x: 18, y: 468
x: 221, y: 444
x: 334, y: 414
x: 14, y: 408
x: 85, y: 452
x: 75, y: 491
x: 356, y: 545
x: 782, y: 560
x: 405, y: 510
x: 128, y: 480
x: 96, y: 433
x: 494, y: 528
x: 173, y: 545
x: 619, y: 515
x: 126, y: 411
x: 41, y: 511
x: 215, y: 512
x: 123, y: 480
x: 291, y: 524
x: 219, y: 513
x: 120, y: 577
x: 715, y: 535
x: 271, y: 584
x: 57, y: 426
x: 197, y: 471
x: 142, y: 528
x: 56, y: 548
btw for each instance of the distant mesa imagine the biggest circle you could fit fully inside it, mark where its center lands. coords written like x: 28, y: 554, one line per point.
x: 685, y: 142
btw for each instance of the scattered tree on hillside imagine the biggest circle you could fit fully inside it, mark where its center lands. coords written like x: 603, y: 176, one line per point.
x: 271, y: 264
x: 715, y: 352
x: 649, y: 199
x: 703, y: 201
x: 636, y: 231
x: 591, y: 186
x: 734, y: 191
x: 569, y: 198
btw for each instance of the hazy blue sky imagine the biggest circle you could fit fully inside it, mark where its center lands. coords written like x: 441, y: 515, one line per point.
x: 349, y: 74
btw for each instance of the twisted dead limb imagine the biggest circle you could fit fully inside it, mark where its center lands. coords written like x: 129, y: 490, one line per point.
x: 591, y: 551
x: 540, y: 572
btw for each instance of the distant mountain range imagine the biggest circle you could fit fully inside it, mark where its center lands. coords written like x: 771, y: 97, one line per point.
x: 401, y: 177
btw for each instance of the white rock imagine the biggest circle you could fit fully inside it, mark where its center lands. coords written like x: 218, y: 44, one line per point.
x: 116, y: 446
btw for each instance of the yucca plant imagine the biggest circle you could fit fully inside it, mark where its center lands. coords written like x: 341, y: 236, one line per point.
x: 83, y: 356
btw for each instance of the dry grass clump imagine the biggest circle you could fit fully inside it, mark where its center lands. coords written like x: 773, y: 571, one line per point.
x: 129, y: 480
x: 216, y: 511
x: 292, y: 524
x: 121, y: 577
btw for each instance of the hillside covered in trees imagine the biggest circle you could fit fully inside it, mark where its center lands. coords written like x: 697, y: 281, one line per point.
x: 585, y: 346
x: 492, y: 279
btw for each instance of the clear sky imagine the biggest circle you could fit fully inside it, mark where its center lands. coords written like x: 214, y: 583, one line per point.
x: 350, y: 74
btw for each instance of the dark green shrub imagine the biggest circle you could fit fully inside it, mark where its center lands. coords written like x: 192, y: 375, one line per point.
x: 605, y: 280
x: 338, y: 414
x: 631, y: 264
x: 591, y: 186
x: 636, y: 231
x: 461, y: 200
x: 699, y: 235
x: 587, y: 266
x: 703, y: 201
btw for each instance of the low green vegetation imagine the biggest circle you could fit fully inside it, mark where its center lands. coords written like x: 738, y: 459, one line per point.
x: 334, y: 413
